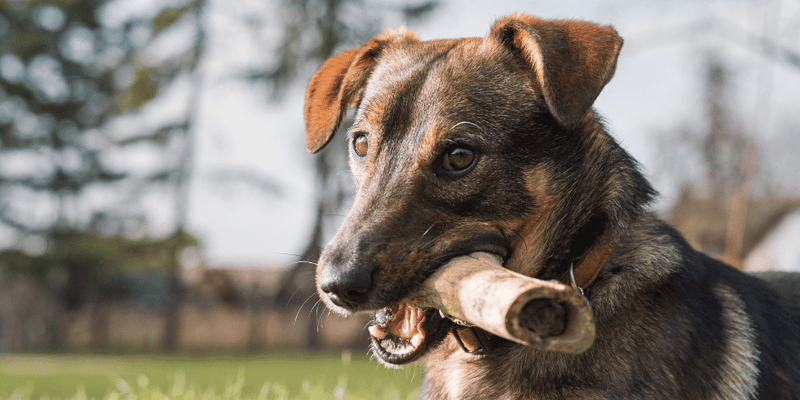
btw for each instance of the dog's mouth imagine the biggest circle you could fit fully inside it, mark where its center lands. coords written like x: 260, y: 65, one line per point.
x: 402, y: 333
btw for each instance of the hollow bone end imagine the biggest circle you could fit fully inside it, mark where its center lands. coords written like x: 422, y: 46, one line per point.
x: 479, y: 290
x: 555, y: 318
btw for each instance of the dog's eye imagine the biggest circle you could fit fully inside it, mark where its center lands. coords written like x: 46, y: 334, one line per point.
x: 361, y: 144
x: 458, y: 159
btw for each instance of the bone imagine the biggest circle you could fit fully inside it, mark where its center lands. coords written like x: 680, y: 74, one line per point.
x: 543, y: 314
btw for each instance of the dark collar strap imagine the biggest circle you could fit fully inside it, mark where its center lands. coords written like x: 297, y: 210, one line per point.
x: 586, y: 272
x: 472, y: 340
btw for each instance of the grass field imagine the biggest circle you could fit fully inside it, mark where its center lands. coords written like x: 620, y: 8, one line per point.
x: 272, y: 376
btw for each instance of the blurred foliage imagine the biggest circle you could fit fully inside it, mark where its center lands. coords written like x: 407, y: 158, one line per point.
x: 96, y: 252
x: 65, y: 73
x: 57, y: 82
x: 169, y: 17
x: 69, y: 69
x: 143, y: 89
x: 75, y: 272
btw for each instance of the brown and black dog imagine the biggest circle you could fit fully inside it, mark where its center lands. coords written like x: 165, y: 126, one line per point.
x: 490, y: 144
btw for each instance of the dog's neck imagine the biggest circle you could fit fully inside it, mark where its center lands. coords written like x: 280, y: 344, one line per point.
x: 576, y: 227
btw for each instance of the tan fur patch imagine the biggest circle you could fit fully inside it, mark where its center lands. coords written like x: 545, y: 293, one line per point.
x: 531, y: 236
x: 455, y: 376
x: 739, y: 374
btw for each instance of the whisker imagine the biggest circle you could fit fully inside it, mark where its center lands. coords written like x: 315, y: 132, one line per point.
x: 296, y: 316
x: 298, y: 289
x: 425, y: 233
x: 284, y: 254
x: 365, y: 328
x: 315, y: 311
x: 291, y: 264
x: 449, y: 231
x: 430, y: 242
x: 326, y: 313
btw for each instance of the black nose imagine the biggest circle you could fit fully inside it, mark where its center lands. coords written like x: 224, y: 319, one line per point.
x: 346, y: 288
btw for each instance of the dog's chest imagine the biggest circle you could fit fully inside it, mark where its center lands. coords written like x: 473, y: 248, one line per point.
x: 456, y: 376
x: 451, y: 373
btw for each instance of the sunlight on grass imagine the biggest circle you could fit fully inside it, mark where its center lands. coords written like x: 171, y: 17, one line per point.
x: 270, y: 377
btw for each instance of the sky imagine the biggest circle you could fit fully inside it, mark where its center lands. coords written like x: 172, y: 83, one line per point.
x: 656, y: 88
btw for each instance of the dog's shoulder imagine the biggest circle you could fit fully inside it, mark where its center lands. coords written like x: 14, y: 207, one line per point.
x: 729, y: 330
x: 757, y: 316
x: 769, y: 302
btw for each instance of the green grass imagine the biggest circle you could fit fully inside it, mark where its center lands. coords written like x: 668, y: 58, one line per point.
x: 272, y: 376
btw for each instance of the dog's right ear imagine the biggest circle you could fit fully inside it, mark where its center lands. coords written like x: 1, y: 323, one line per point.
x: 339, y: 84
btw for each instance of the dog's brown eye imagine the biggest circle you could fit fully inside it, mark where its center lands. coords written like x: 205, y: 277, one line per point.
x: 361, y: 145
x: 458, y: 159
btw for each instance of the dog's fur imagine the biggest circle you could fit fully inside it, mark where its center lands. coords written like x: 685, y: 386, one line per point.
x: 548, y: 188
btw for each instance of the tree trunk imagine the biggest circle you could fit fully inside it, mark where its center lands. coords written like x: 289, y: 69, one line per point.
x: 99, y: 323
x: 172, y: 312
x: 182, y: 183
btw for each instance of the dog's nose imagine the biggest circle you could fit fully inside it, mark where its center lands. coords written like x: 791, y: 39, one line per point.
x: 348, y: 288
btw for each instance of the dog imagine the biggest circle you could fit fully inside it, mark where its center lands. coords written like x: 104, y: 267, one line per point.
x: 491, y: 144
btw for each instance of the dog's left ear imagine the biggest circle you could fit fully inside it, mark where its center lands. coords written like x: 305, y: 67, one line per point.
x: 571, y: 60
x: 339, y: 84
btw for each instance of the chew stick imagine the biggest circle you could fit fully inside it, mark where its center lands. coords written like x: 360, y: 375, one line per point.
x: 478, y: 290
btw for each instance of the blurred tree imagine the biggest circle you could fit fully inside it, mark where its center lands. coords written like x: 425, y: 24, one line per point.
x: 311, y: 32
x: 54, y: 94
x: 724, y: 149
x: 155, y: 75
x: 719, y: 213
x: 738, y: 200
x: 68, y: 70
x: 58, y: 65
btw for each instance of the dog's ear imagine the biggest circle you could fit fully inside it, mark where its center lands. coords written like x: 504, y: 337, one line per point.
x: 339, y: 84
x: 571, y: 60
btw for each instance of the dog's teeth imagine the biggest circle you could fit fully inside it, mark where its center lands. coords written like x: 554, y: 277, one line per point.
x: 416, y: 340
x: 377, y: 332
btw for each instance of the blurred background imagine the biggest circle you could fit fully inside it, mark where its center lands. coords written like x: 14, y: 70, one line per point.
x: 156, y: 195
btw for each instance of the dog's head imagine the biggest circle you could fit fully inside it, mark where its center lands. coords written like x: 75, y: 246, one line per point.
x: 478, y: 144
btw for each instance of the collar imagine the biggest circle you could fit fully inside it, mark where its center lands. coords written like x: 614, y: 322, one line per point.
x: 587, y: 271
x: 474, y: 340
